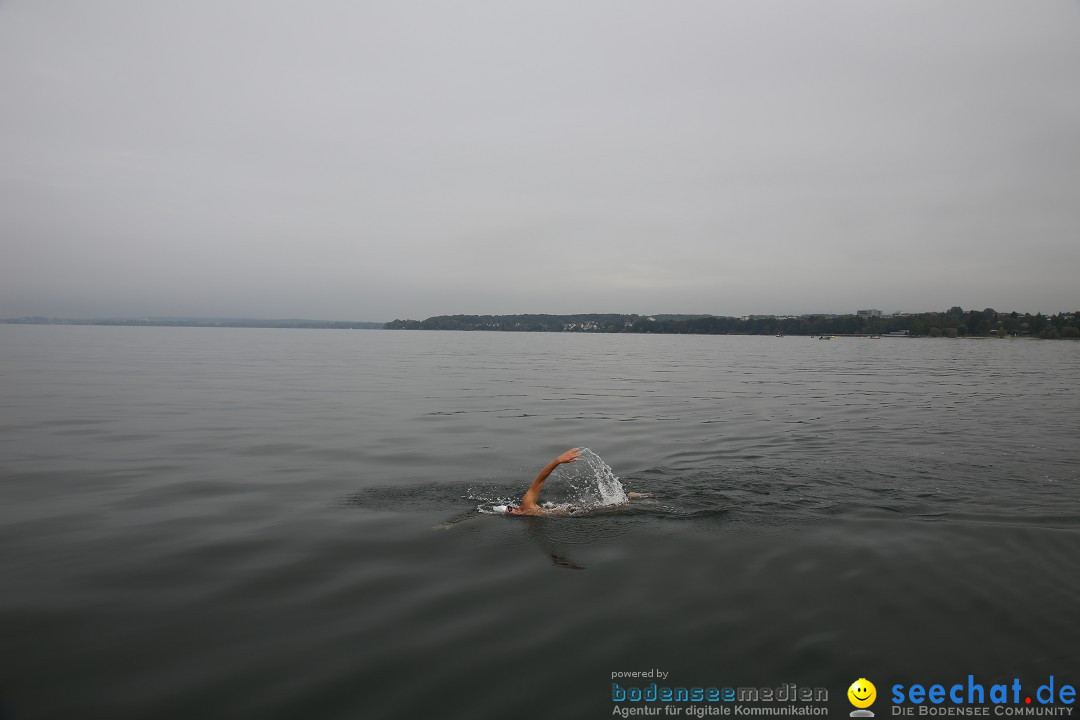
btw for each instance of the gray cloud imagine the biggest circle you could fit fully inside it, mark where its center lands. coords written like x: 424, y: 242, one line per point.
x: 381, y: 160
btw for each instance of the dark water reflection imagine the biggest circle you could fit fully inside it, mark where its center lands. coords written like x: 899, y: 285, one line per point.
x: 259, y: 523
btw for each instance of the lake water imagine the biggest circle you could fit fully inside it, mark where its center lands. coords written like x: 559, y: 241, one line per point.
x: 231, y: 523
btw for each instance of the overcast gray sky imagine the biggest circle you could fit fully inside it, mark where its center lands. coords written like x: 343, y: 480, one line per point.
x: 380, y: 160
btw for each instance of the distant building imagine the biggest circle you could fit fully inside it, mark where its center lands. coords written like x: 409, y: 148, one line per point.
x: 868, y: 313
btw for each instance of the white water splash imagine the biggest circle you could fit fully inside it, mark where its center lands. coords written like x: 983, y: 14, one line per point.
x: 585, y: 484
x: 592, y: 482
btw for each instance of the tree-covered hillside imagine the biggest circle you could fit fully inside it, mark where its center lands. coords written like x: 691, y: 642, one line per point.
x: 954, y: 322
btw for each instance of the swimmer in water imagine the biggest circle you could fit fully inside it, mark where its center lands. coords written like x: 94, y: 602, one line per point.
x: 528, y: 502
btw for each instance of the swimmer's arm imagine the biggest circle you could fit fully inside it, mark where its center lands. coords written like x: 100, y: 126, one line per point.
x: 529, y: 501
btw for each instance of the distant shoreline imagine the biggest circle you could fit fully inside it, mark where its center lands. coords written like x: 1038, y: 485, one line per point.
x: 952, y: 323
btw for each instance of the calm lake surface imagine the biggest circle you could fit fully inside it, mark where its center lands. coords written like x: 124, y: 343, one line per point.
x: 232, y: 523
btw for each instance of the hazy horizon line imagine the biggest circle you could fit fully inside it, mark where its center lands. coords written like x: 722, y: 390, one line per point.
x: 234, y: 318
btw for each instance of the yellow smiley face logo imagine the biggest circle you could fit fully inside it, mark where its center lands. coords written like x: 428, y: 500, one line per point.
x: 862, y: 693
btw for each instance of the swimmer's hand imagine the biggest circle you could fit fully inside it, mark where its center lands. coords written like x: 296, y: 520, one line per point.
x: 569, y: 456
